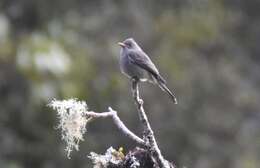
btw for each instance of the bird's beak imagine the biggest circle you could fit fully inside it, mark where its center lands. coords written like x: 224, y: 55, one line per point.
x: 121, y: 44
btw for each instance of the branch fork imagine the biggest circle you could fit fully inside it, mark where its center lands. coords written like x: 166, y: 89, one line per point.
x: 74, y: 116
x: 117, y: 121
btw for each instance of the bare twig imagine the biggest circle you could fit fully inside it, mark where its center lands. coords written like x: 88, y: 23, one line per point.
x: 148, y: 132
x: 120, y: 125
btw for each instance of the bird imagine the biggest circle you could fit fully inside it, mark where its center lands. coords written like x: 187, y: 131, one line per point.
x: 136, y: 64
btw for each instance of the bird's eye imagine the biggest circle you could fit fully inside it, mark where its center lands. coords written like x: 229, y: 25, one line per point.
x: 128, y: 44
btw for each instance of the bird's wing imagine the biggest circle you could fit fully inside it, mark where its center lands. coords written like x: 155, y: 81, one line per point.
x: 140, y: 59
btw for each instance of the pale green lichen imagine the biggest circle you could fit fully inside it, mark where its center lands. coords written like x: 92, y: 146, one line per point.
x: 72, y: 121
x: 102, y: 161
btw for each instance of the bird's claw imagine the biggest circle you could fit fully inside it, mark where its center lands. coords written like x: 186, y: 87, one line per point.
x: 140, y: 101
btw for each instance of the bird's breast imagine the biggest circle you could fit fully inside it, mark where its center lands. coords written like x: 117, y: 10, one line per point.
x: 128, y: 68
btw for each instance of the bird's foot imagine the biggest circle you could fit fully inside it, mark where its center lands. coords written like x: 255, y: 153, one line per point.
x: 140, y: 101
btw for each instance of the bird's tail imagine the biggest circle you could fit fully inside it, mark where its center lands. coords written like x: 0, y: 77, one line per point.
x: 162, y: 84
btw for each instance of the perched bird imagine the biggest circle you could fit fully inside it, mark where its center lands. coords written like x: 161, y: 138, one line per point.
x: 135, y: 64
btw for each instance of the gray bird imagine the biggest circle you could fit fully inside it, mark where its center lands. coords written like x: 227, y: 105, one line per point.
x: 135, y: 64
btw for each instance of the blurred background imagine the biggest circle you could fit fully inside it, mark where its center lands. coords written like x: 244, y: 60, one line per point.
x: 207, y: 50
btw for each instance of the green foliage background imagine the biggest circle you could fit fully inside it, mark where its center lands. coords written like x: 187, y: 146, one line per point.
x: 208, y: 50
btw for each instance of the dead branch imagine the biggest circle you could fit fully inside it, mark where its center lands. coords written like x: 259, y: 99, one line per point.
x: 117, y: 121
x: 148, y: 134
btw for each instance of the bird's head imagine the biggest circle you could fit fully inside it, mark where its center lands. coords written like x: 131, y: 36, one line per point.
x: 129, y: 44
